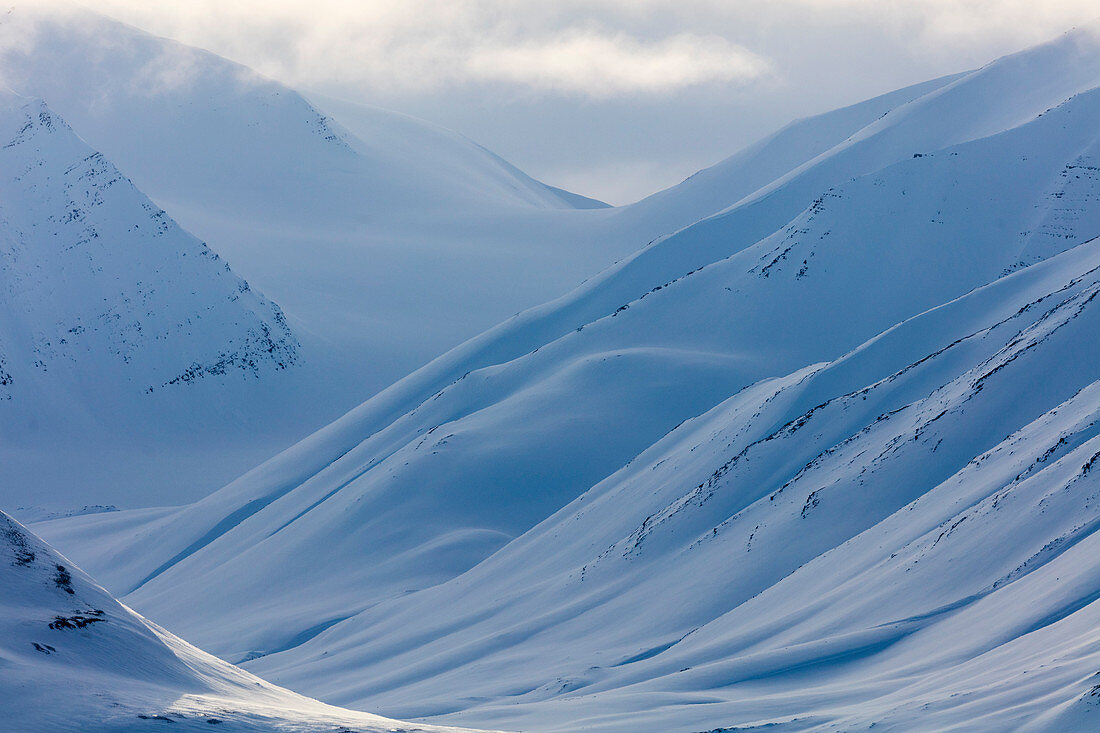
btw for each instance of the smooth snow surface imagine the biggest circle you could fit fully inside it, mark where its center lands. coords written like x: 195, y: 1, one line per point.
x: 382, y: 251
x: 385, y: 246
x: 382, y: 239
x: 75, y: 659
x: 827, y: 459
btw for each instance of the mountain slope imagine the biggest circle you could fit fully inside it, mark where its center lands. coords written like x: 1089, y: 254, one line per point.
x: 436, y: 473
x: 885, y: 336
x: 111, y: 314
x: 383, y: 250
x: 381, y: 253
x: 76, y: 659
x: 433, y: 152
x: 890, y: 538
x: 74, y: 225
x: 387, y: 241
x: 718, y: 187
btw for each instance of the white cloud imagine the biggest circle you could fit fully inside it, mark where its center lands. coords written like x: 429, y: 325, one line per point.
x: 595, y: 47
x: 943, y: 25
x: 600, y: 64
x: 424, y: 44
x: 598, y: 86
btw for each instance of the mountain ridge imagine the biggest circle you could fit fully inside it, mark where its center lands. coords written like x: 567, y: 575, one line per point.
x: 379, y: 253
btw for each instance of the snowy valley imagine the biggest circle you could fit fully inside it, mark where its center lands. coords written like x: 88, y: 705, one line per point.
x: 814, y: 447
x: 381, y: 253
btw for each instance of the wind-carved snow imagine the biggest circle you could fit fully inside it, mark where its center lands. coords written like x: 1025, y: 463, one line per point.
x: 103, y: 286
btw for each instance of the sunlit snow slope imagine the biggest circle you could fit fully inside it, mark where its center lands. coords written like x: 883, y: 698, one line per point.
x: 75, y: 659
x: 903, y: 536
x: 822, y: 460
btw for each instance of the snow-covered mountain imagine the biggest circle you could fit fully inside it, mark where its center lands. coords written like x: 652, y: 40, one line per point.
x: 383, y: 239
x: 102, y: 283
x: 718, y: 187
x: 382, y: 252
x: 819, y: 461
x: 111, y: 315
x: 903, y: 536
x: 75, y: 659
x: 385, y: 246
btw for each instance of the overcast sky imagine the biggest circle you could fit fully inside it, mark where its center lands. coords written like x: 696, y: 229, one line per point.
x: 610, y: 98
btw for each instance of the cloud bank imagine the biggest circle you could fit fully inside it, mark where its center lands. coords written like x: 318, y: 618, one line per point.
x: 600, y: 64
x: 597, y: 48
x: 577, y: 91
